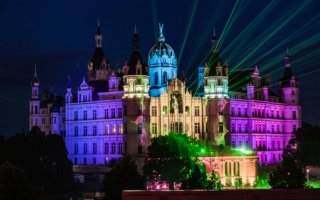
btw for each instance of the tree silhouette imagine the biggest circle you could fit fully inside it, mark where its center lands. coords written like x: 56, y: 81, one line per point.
x: 123, y: 176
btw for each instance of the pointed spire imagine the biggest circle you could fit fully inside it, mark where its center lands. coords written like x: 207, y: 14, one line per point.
x: 135, y: 29
x: 98, y: 21
x: 69, y: 82
x: 287, y: 52
x: 225, y: 61
x: 214, y: 31
x: 98, y: 30
x: 35, y: 81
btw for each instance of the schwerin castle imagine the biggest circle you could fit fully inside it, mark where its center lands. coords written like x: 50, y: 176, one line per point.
x: 120, y: 111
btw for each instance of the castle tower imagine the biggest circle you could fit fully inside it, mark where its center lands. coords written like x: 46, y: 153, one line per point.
x: 288, y: 84
x: 55, y: 117
x: 69, y: 97
x: 162, y: 63
x: 98, y: 68
x: 34, y: 102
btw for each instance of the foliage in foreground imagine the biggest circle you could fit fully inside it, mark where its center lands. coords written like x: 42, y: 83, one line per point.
x: 170, y: 158
x: 198, y: 180
x: 288, y: 175
x: 43, y: 158
x: 123, y: 176
x: 15, y: 185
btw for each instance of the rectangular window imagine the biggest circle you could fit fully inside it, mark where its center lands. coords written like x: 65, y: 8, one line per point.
x: 154, y: 128
x: 265, y: 158
x: 85, y: 131
x: 63, y: 120
x: 85, y: 114
x: 119, y: 112
x: 274, y: 157
x: 43, y: 120
x: 196, y: 111
x: 124, y: 110
x: 233, y: 144
x: 106, y: 113
x: 165, y: 129
x: 154, y: 111
x: 294, y: 115
x: 94, y: 114
x: 294, y: 127
x: 282, y: 114
x: 120, y: 129
x: 125, y: 128
x: 94, y: 161
x: 94, y: 149
x: 75, y: 115
x: 284, y: 144
x: 76, y: 148
x: 197, y: 127
x: 76, y: 131
x: 113, y: 112
x: 220, y: 127
x: 75, y: 161
x: 106, y: 129
x: 84, y: 161
x: 273, y: 147
x: 85, y: 148
x: 94, y: 130
x: 279, y: 156
x: 113, y: 129
x: 247, y: 143
x: 113, y: 148
x: 106, y: 148
x: 120, y: 148
x: 139, y: 149
x: 139, y: 111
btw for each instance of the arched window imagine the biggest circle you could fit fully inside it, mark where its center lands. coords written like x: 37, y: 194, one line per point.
x: 292, y: 92
x: 35, y: 93
x: 156, y: 78
x: 164, y: 77
x: 292, y: 84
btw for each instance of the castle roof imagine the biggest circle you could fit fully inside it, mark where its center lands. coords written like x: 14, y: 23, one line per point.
x: 135, y: 56
x: 97, y: 58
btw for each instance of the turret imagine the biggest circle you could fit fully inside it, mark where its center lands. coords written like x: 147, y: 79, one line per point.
x: 98, y: 36
x: 135, y: 40
x: 250, y: 91
x: 34, y: 101
x: 214, y: 40
x: 55, y: 117
x: 288, y: 84
x: 46, y: 94
x: 69, y: 97
x: 265, y: 92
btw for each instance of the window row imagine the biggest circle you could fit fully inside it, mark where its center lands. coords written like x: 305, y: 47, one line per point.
x: 108, y: 113
x: 113, y: 148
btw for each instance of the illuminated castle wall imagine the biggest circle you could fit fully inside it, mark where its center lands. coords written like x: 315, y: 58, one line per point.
x: 118, y: 111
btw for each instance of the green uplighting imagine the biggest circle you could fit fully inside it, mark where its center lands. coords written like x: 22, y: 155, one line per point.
x: 202, y: 150
x: 245, y: 151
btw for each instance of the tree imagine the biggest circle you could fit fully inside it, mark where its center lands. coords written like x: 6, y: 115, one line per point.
x: 169, y: 158
x: 43, y: 159
x: 123, y: 176
x: 15, y: 185
x: 197, y: 179
x: 306, y: 141
x: 287, y: 175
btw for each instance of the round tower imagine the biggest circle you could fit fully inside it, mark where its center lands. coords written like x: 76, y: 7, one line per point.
x: 162, y: 63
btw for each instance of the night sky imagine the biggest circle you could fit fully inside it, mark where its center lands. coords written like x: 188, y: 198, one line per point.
x: 59, y: 37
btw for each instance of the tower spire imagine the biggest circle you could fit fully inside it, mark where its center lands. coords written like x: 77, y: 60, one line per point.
x: 69, y: 82
x: 35, y: 68
x: 98, y: 21
x: 135, y: 29
x: 161, y: 37
x: 287, y: 58
x: 214, y: 31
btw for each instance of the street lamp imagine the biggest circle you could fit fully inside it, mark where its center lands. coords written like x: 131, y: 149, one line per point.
x: 307, y: 175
